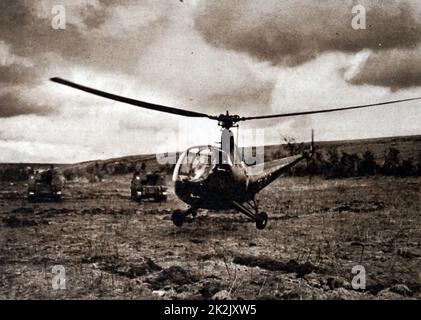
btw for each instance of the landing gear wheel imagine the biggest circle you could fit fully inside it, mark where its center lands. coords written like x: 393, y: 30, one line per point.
x: 178, y: 218
x: 261, y: 220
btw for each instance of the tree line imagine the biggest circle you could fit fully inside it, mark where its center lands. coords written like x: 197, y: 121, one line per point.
x: 329, y: 163
x: 335, y: 164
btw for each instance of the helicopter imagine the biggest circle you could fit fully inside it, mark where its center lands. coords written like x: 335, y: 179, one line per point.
x: 214, y: 177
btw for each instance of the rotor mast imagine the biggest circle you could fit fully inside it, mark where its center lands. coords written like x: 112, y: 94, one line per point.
x: 227, y: 121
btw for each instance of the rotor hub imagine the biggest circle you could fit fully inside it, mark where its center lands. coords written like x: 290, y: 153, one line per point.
x: 228, y: 121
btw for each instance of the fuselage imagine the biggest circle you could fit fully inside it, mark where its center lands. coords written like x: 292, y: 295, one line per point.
x: 206, y: 177
x: 218, y: 191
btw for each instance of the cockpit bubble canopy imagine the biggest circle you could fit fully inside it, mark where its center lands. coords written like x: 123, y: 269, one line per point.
x: 196, y: 163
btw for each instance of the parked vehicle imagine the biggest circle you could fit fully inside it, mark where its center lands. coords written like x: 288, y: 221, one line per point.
x: 148, y: 187
x: 45, y: 185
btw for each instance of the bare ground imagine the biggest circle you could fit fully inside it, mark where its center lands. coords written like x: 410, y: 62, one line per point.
x: 318, y: 231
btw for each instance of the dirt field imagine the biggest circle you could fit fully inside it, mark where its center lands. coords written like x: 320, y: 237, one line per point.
x: 113, y: 248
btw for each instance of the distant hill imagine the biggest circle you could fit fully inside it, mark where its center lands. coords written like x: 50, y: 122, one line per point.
x: 409, y: 147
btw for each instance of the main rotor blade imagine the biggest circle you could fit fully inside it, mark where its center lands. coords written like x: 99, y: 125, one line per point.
x: 137, y: 103
x: 294, y: 114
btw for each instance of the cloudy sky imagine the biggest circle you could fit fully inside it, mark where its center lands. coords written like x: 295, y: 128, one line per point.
x: 252, y: 57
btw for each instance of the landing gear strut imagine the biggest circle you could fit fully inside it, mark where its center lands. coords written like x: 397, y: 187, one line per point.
x: 179, y: 216
x: 251, y: 210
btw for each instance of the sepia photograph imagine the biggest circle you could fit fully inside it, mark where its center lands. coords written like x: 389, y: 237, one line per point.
x: 210, y: 151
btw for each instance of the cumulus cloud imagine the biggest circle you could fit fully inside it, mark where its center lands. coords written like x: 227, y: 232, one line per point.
x: 7, y: 58
x: 133, y: 18
x: 12, y: 106
x: 292, y: 32
x: 394, y: 68
x: 13, y: 68
x: 196, y: 76
x: 320, y: 84
x: 98, y: 33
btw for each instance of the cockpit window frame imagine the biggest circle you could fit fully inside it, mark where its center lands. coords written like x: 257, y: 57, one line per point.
x: 181, y: 160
